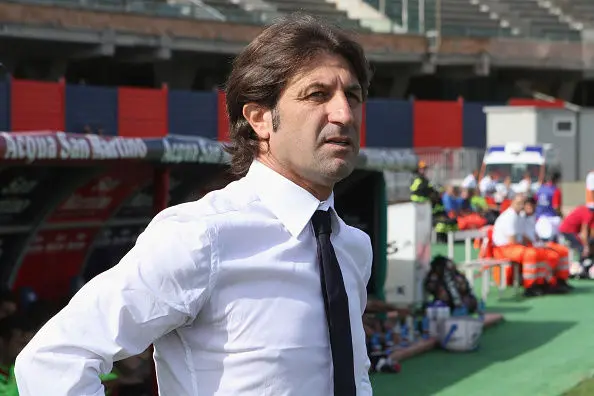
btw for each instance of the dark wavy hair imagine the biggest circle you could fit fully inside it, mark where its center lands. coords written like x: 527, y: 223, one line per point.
x: 262, y: 70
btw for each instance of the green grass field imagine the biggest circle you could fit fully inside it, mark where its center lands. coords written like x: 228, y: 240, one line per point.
x: 543, y: 348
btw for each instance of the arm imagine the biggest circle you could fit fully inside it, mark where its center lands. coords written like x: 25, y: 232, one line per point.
x: 558, y: 201
x: 585, y: 234
x: 157, y: 287
x: 362, y: 363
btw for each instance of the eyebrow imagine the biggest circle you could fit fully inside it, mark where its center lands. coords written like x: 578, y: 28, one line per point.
x: 355, y: 87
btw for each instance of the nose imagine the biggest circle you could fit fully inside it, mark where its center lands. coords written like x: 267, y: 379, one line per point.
x: 340, y: 110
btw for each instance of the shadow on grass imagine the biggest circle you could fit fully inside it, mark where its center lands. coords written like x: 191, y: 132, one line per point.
x: 503, y: 309
x: 584, y: 287
x: 427, y: 374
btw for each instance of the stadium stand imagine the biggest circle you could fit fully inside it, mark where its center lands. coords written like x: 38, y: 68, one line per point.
x: 457, y: 17
x: 578, y: 10
x: 320, y: 8
x: 544, y: 20
x: 232, y: 11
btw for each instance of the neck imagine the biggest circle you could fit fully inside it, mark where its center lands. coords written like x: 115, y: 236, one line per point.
x: 320, y: 191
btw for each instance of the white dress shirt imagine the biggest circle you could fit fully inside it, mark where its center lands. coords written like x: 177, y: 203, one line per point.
x: 228, y: 290
x: 508, y: 224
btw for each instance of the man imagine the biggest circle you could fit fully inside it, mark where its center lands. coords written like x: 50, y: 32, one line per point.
x: 576, y: 229
x: 470, y: 181
x: 236, y: 290
x: 451, y: 201
x: 557, y: 256
x: 548, y: 207
x: 510, y: 243
x: 421, y: 188
x: 525, y: 185
x: 488, y: 183
x: 442, y: 222
x: 467, y: 218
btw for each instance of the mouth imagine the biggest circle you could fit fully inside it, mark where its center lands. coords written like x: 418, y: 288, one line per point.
x: 340, y: 141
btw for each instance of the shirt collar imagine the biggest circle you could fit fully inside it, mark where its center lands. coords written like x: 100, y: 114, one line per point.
x: 291, y: 204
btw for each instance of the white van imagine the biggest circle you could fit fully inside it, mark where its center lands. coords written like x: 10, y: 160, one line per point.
x: 516, y: 159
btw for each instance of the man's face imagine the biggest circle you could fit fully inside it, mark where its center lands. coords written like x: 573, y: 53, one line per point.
x: 529, y: 208
x: 318, y: 118
x: 518, y: 203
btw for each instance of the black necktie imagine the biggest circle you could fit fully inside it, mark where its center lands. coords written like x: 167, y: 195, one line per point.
x: 336, y: 303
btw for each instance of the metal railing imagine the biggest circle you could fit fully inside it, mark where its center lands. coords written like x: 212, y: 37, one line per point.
x: 426, y: 17
x: 194, y: 9
x: 444, y: 166
x: 422, y: 17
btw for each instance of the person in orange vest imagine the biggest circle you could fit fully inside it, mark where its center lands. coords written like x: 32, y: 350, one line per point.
x: 510, y: 243
x: 557, y: 255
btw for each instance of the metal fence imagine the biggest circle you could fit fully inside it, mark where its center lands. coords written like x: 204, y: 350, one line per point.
x: 444, y: 166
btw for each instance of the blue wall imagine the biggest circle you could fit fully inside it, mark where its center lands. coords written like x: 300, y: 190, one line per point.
x: 389, y: 123
x: 474, y: 133
x: 193, y: 113
x: 96, y: 107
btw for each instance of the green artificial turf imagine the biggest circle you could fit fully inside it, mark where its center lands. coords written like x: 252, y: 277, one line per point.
x: 544, y: 347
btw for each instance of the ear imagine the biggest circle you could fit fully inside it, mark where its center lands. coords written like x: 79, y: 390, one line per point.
x: 259, y: 118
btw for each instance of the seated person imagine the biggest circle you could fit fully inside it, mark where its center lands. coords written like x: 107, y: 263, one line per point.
x: 555, y: 254
x: 379, y: 336
x: 451, y: 201
x: 477, y: 202
x: 487, y: 183
x: 548, y: 208
x: 442, y: 223
x: 510, y: 243
x: 576, y: 229
x: 468, y: 219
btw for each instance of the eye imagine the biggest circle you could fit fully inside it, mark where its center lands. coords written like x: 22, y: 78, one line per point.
x: 354, y: 96
x: 317, y: 95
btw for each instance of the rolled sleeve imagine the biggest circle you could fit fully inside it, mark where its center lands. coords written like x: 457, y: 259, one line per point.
x: 157, y: 287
